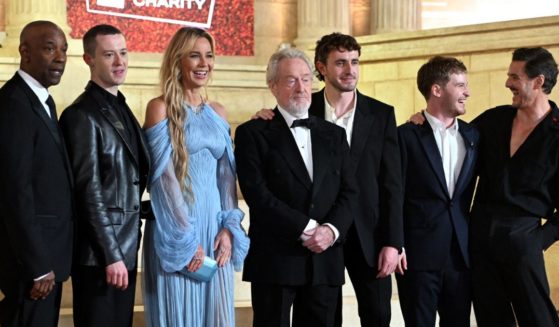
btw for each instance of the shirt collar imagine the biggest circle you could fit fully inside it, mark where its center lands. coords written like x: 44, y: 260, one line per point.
x: 289, y: 118
x: 111, y: 98
x: 437, y: 125
x: 40, y: 91
x: 332, y: 110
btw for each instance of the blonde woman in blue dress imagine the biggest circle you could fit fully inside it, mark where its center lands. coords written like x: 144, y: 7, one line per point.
x: 193, y: 194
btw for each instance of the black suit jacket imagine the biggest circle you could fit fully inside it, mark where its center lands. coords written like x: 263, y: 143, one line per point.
x: 110, y: 179
x: 375, y: 158
x: 281, y: 197
x: 431, y: 217
x: 36, y: 228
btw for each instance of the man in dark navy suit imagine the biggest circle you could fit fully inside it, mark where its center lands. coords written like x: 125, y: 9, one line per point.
x: 36, y: 226
x: 438, y: 163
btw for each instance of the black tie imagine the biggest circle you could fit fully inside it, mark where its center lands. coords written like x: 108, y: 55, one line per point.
x: 306, y: 122
x: 52, y: 108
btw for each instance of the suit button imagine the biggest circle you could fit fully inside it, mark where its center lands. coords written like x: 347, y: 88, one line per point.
x: 312, y: 206
x: 136, y: 207
x: 450, y: 204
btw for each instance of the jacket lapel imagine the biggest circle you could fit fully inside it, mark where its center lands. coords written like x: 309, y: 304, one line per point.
x: 50, y: 123
x: 320, y: 144
x: 39, y: 109
x: 427, y: 141
x: 468, y: 164
x: 282, y: 137
x: 108, y: 112
x: 362, y: 124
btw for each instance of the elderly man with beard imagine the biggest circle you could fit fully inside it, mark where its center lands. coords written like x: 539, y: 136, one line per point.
x: 295, y: 175
x: 375, y: 238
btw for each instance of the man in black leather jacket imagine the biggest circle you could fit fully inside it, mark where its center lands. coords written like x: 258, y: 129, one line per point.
x: 110, y: 164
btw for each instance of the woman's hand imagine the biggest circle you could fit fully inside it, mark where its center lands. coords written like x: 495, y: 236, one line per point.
x: 197, y: 260
x: 222, y: 247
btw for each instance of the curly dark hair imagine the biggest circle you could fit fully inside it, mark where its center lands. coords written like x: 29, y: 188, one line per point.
x: 334, y: 41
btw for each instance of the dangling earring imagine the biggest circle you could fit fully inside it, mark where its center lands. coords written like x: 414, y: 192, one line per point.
x: 179, y: 76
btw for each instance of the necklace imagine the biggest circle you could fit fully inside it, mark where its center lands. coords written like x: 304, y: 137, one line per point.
x: 196, y: 108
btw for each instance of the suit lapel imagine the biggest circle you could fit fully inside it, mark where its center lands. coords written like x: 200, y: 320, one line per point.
x: 321, y: 140
x: 108, y: 112
x: 427, y: 141
x: 282, y: 137
x: 51, y: 124
x: 362, y: 124
x: 39, y: 109
x: 468, y: 164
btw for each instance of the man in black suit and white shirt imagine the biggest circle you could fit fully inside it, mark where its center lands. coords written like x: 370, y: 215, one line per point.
x: 296, y: 178
x: 35, y: 184
x: 376, y: 236
x: 438, y: 160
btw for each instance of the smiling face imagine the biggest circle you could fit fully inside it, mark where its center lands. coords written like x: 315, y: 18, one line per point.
x: 454, y: 95
x: 341, y: 69
x: 521, y: 86
x: 197, y: 64
x: 109, y: 65
x: 292, y: 88
x: 43, y: 53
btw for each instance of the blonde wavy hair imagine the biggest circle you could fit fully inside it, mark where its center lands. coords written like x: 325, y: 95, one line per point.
x: 173, y: 95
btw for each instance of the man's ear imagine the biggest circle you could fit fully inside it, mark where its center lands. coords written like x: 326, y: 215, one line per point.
x: 24, y: 52
x: 88, y: 59
x: 321, y: 67
x: 539, y: 81
x: 436, y: 90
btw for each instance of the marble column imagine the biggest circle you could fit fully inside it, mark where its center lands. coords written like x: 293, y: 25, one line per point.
x: 316, y: 18
x: 360, y: 17
x: 395, y: 16
x: 2, y: 15
x: 20, y: 12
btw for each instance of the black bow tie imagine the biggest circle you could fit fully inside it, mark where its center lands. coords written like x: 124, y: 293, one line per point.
x: 307, y: 122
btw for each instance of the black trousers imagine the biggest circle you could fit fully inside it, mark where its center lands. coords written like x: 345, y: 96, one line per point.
x: 18, y: 309
x: 312, y: 305
x: 447, y: 291
x: 97, y: 304
x: 373, y: 294
x: 509, y: 278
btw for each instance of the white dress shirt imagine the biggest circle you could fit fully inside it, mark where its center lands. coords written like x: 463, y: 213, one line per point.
x: 40, y: 91
x: 451, y: 147
x: 345, y: 121
x: 302, y: 136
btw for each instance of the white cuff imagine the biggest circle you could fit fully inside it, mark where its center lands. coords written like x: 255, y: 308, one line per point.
x: 312, y: 224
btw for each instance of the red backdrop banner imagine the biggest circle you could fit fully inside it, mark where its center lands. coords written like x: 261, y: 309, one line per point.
x: 149, y: 24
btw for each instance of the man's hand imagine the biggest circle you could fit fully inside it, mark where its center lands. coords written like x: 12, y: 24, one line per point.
x: 320, y: 240
x: 42, y: 287
x: 387, y: 261
x: 117, y: 275
x: 417, y: 119
x: 197, y: 260
x: 402, y: 263
x: 222, y: 247
x: 266, y: 114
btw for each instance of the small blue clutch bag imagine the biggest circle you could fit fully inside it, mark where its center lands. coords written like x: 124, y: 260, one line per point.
x: 206, y: 271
